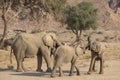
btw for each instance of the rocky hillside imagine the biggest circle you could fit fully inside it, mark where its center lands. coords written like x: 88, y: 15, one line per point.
x: 107, y: 19
x: 106, y: 16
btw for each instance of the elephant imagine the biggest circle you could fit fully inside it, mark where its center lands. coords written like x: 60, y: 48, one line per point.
x: 114, y: 4
x: 66, y: 54
x: 28, y: 45
x: 97, y: 49
x: 7, y: 41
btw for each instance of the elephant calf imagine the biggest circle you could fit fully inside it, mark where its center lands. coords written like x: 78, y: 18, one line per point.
x: 97, y: 50
x: 66, y: 54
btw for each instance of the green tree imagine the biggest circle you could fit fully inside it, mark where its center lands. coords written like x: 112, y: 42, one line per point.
x: 81, y: 17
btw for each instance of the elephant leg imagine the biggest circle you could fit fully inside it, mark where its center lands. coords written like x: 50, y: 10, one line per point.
x: 72, y: 68
x: 93, y: 69
x: 23, y: 66
x: 54, y: 71
x: 39, y: 62
x: 101, y: 66
x: 19, y: 65
x: 56, y: 65
x: 22, y: 56
x: 47, y: 59
x: 77, y: 69
x: 46, y: 56
x: 60, y: 72
x: 19, y: 61
x: 91, y: 64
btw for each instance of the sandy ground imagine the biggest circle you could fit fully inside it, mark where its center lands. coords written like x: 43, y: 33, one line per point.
x: 111, y: 71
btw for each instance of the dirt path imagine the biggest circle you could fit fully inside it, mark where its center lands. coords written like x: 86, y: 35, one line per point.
x: 111, y: 72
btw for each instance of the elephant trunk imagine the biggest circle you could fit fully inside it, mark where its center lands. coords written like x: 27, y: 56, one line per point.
x: 75, y: 47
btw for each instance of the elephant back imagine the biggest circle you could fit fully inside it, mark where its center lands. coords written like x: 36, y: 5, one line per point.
x: 66, y: 52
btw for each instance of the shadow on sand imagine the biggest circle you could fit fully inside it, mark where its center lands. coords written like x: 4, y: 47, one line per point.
x: 33, y: 74
x: 7, y: 69
x: 41, y: 74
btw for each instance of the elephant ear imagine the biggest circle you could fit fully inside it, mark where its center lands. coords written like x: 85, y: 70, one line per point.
x: 47, y: 40
x: 56, y: 42
x: 51, y: 40
x: 95, y: 46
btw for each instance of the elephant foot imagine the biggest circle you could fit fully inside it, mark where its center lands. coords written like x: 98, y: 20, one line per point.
x: 89, y: 72
x: 49, y: 70
x: 19, y: 70
x: 60, y: 75
x: 52, y: 76
x: 78, y: 74
x: 94, y: 70
x: 71, y: 74
x: 100, y: 72
x: 39, y: 70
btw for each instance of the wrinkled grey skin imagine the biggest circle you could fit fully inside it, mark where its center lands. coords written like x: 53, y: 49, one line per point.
x: 97, y: 51
x: 114, y: 4
x: 28, y: 45
x: 65, y: 54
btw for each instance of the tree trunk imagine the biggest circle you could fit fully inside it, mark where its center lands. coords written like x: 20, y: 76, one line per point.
x: 5, y: 26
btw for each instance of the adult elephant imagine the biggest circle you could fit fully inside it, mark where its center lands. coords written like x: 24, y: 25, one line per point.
x: 28, y: 45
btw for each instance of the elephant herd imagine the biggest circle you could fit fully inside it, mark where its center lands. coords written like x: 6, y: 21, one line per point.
x: 44, y: 44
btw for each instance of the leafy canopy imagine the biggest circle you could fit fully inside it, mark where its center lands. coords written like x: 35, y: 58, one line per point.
x: 81, y: 17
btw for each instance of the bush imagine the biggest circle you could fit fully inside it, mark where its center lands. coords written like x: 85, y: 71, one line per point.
x: 100, y: 32
x: 106, y: 37
x: 97, y: 39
